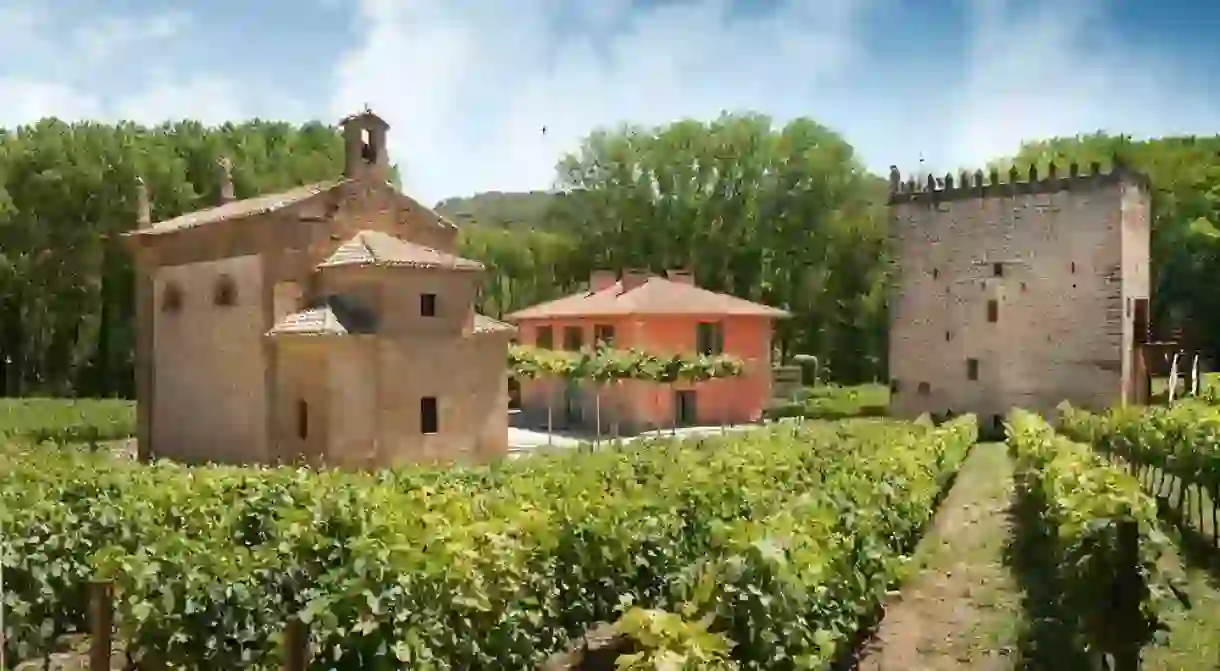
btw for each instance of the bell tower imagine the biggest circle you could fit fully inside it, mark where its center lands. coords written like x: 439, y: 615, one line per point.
x: 364, y: 146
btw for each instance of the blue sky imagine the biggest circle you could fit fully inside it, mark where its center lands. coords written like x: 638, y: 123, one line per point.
x: 467, y: 84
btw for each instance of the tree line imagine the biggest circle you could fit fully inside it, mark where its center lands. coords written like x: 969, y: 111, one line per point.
x: 783, y: 214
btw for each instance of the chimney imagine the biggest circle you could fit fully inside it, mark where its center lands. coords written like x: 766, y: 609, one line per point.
x: 633, y: 278
x: 226, y: 180
x: 364, y: 147
x: 600, y: 280
x: 143, y: 210
x: 681, y: 276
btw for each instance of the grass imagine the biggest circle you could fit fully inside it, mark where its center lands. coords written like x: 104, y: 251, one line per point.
x: 832, y: 401
x: 960, y: 608
x: 67, y: 420
x: 981, y: 594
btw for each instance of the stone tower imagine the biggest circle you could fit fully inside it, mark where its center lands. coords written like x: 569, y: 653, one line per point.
x: 1017, y: 293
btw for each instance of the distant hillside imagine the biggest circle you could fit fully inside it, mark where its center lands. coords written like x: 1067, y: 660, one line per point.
x: 499, y: 209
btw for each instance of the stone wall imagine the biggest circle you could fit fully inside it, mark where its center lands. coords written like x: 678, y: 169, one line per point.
x: 1014, y: 293
x: 208, y: 362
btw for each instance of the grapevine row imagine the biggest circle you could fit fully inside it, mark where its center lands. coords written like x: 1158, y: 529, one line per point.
x: 1103, y: 538
x: 605, y: 364
x: 1181, y: 441
x: 783, y: 541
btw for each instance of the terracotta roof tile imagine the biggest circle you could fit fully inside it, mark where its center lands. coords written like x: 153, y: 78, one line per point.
x: 314, y: 321
x: 263, y: 204
x: 656, y: 296
x: 374, y: 248
x: 485, y: 324
x: 238, y: 209
x: 336, y: 316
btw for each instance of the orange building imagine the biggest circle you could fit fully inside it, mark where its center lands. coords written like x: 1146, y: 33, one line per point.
x: 661, y: 316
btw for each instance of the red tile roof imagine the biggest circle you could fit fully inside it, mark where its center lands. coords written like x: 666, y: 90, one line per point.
x: 374, y: 248
x: 271, y: 202
x: 655, y: 296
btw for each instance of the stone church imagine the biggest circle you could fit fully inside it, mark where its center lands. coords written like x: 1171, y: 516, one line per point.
x: 332, y: 324
x: 1024, y: 292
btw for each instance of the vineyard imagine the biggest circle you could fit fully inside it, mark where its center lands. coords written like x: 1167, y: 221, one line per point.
x: 776, y: 549
x: 784, y: 542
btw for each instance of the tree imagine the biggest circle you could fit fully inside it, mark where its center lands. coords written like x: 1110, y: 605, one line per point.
x: 784, y: 215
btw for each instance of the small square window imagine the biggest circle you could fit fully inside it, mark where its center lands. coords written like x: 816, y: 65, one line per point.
x: 709, y: 338
x: 544, y: 338
x: 924, y: 389
x: 427, y: 305
x: 603, y: 335
x: 997, y: 269
x: 573, y: 338
x: 429, y: 421
x: 972, y: 369
x: 993, y: 311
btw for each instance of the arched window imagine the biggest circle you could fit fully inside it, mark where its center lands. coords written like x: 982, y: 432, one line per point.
x: 171, y: 298
x: 226, y: 291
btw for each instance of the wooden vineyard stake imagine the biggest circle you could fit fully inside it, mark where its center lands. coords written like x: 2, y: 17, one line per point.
x: 101, y: 625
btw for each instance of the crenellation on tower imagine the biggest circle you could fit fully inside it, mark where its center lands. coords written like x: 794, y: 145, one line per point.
x: 949, y: 187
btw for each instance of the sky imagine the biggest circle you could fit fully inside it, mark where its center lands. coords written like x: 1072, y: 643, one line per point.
x: 467, y: 85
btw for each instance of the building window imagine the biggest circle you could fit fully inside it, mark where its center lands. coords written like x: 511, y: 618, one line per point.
x: 573, y: 338
x: 972, y: 369
x: 936, y: 273
x: 603, y: 334
x: 709, y: 338
x: 429, y: 422
x: 302, y: 419
x: 427, y: 305
x: 171, y: 300
x: 948, y: 336
x: 544, y: 338
x: 993, y: 311
x: 1073, y: 267
x: 226, y: 292
x: 924, y: 389
x: 895, y: 386
x: 997, y: 269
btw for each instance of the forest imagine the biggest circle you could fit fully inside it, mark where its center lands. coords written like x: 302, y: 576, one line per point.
x: 782, y: 213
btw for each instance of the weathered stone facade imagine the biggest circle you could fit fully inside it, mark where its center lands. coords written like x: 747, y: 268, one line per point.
x: 1017, y: 293
x: 292, y: 326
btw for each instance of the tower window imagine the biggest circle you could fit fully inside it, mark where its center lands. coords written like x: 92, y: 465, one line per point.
x: 997, y: 269
x: 429, y: 422
x: 171, y: 301
x: 367, y: 151
x: 226, y: 292
x: 302, y: 419
x: 993, y: 311
x: 1073, y: 267
x: 972, y: 369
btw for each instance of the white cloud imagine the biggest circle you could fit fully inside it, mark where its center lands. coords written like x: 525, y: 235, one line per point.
x: 99, y: 68
x: 467, y: 84
x: 1054, y: 70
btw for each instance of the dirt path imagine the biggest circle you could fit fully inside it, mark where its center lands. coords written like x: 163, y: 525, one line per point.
x: 961, y: 607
